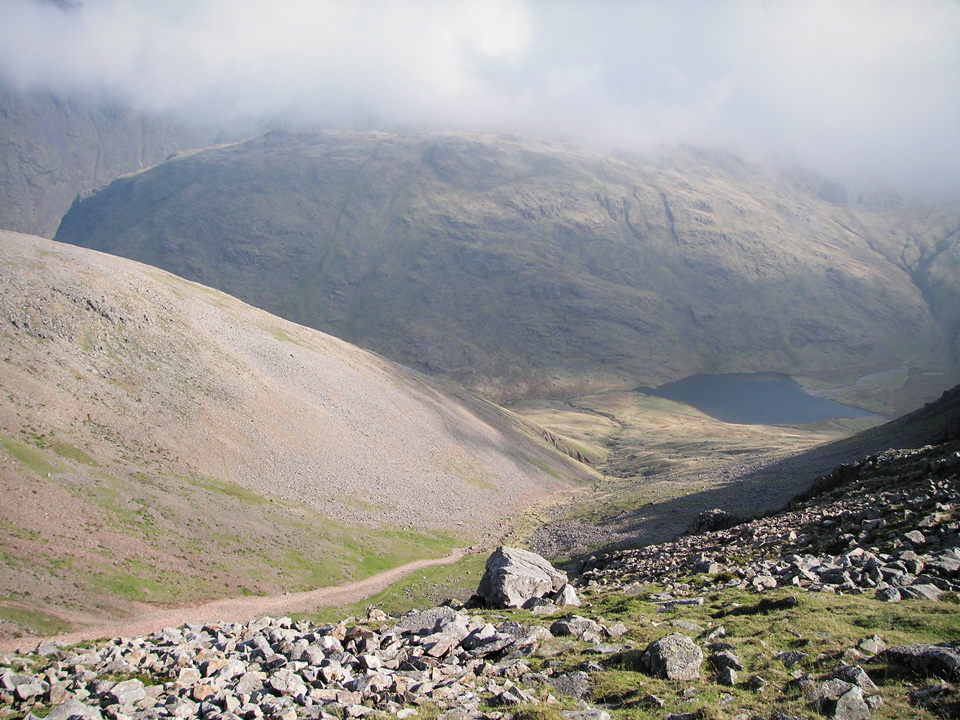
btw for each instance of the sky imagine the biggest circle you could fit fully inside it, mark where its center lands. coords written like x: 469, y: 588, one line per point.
x: 860, y: 90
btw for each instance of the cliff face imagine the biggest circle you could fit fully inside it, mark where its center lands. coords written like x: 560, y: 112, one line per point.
x: 53, y: 149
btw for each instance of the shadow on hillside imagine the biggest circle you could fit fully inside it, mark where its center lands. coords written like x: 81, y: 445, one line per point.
x: 750, y: 492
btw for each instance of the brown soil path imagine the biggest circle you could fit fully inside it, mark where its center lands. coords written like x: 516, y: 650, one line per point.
x: 242, y: 609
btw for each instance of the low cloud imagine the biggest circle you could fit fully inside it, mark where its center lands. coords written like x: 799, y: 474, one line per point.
x: 862, y: 89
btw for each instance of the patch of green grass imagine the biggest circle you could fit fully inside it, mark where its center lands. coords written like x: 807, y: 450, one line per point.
x: 420, y: 589
x: 225, y: 488
x: 20, y: 532
x: 469, y: 475
x: 66, y: 450
x: 144, y: 582
x: 287, y: 338
x: 823, y: 627
x: 34, y: 458
x: 378, y: 550
x: 33, y: 622
x: 309, y: 573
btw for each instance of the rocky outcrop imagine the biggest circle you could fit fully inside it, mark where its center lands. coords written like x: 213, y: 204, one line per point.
x: 888, y: 526
x: 514, y: 576
x: 941, y: 660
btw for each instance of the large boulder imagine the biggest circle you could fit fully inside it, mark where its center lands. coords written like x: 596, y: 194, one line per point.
x: 513, y: 576
x: 941, y: 660
x: 675, y: 657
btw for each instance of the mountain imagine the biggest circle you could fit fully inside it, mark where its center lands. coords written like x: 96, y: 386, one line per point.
x: 163, y: 442
x: 53, y: 148
x: 524, y: 268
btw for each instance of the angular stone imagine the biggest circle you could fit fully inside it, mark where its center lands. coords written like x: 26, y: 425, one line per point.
x: 872, y: 645
x: 575, y: 685
x: 576, y: 626
x: 287, y: 682
x: 889, y: 595
x: 916, y: 537
x: 851, y: 706
x: 127, y: 692
x: 566, y: 597
x: 513, y: 576
x: 27, y: 690
x: 433, y: 620
x: 942, y: 660
x: 250, y: 682
x: 791, y: 658
x: 675, y: 657
x: 856, y: 675
x: 72, y: 709
x: 616, y: 630
x: 727, y: 676
x: 725, y: 659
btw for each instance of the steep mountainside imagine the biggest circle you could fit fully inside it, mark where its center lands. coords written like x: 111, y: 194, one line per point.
x: 52, y: 149
x: 524, y: 268
x: 161, y: 441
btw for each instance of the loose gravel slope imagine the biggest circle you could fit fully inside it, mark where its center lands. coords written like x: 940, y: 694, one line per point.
x: 164, y: 442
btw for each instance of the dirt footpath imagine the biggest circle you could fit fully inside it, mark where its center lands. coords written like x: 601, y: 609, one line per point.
x: 242, y: 609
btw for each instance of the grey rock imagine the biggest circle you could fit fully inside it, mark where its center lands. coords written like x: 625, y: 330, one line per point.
x: 710, y: 520
x: 675, y: 657
x: 823, y: 694
x: 30, y: 689
x: 789, y: 659
x: 851, y: 706
x: 872, y: 645
x: 616, y: 630
x: 942, y: 660
x: 856, y: 675
x: 540, y: 606
x: 287, y: 682
x: 589, y: 714
x: 575, y: 685
x: 127, y: 692
x: 566, y: 597
x: 433, y: 620
x: 727, y: 676
x: 74, y: 708
x: 916, y: 537
x: 921, y: 591
x: 889, y: 595
x: 725, y: 659
x: 652, y: 701
x: 576, y: 626
x: 513, y: 576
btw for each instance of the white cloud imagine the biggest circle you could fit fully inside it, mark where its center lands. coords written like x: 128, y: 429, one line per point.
x: 860, y: 87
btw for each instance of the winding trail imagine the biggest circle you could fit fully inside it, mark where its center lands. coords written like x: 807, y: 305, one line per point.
x: 240, y: 609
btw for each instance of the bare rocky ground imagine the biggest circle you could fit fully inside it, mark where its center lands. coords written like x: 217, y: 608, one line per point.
x: 164, y: 443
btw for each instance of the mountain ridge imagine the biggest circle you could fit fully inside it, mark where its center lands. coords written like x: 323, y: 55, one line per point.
x: 524, y: 268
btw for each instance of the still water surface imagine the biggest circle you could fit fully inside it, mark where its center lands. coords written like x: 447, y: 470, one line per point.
x: 754, y: 399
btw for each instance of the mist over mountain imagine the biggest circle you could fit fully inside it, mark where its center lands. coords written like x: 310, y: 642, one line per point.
x: 53, y: 147
x: 519, y: 267
x: 862, y: 90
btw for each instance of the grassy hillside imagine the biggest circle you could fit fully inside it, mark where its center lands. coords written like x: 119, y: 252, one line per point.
x: 530, y: 269
x: 163, y: 442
